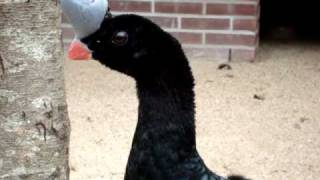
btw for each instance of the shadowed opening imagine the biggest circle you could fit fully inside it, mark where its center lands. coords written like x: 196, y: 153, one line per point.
x: 290, y: 20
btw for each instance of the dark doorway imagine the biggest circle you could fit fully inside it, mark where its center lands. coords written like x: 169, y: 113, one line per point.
x: 290, y: 20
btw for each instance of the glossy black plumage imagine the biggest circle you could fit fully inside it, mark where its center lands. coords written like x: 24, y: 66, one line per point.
x: 164, y: 144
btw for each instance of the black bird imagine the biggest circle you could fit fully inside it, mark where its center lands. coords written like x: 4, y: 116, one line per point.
x: 164, y: 143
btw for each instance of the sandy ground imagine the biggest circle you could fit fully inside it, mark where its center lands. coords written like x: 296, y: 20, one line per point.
x: 274, y: 137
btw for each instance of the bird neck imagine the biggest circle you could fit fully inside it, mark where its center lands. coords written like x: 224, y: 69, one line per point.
x: 166, y: 123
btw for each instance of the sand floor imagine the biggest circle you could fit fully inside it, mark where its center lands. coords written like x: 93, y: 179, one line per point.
x: 274, y: 136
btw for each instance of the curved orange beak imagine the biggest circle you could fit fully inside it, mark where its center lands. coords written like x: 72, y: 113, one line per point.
x: 78, y: 51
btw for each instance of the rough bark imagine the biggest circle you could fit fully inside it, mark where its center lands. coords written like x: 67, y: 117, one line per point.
x: 34, y: 126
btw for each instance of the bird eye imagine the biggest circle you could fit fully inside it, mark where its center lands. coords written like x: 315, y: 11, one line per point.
x: 98, y: 41
x: 120, y: 38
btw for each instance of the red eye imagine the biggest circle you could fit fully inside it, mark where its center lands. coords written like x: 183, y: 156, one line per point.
x: 120, y: 38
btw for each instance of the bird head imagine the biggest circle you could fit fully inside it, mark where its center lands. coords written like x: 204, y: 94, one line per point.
x: 132, y: 45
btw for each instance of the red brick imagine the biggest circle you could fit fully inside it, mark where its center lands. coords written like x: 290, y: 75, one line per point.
x: 188, y: 38
x: 217, y: 9
x: 244, y: 9
x: 165, y: 22
x: 245, y: 24
x: 243, y: 54
x: 133, y: 6
x: 232, y: 9
x: 171, y: 7
x: 205, y: 23
x: 230, y: 39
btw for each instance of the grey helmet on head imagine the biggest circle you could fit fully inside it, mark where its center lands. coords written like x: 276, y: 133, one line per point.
x: 85, y: 16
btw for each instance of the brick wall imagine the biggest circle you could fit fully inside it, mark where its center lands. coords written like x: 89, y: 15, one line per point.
x: 218, y: 29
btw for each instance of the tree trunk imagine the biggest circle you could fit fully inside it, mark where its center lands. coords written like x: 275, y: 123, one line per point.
x: 34, y: 126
